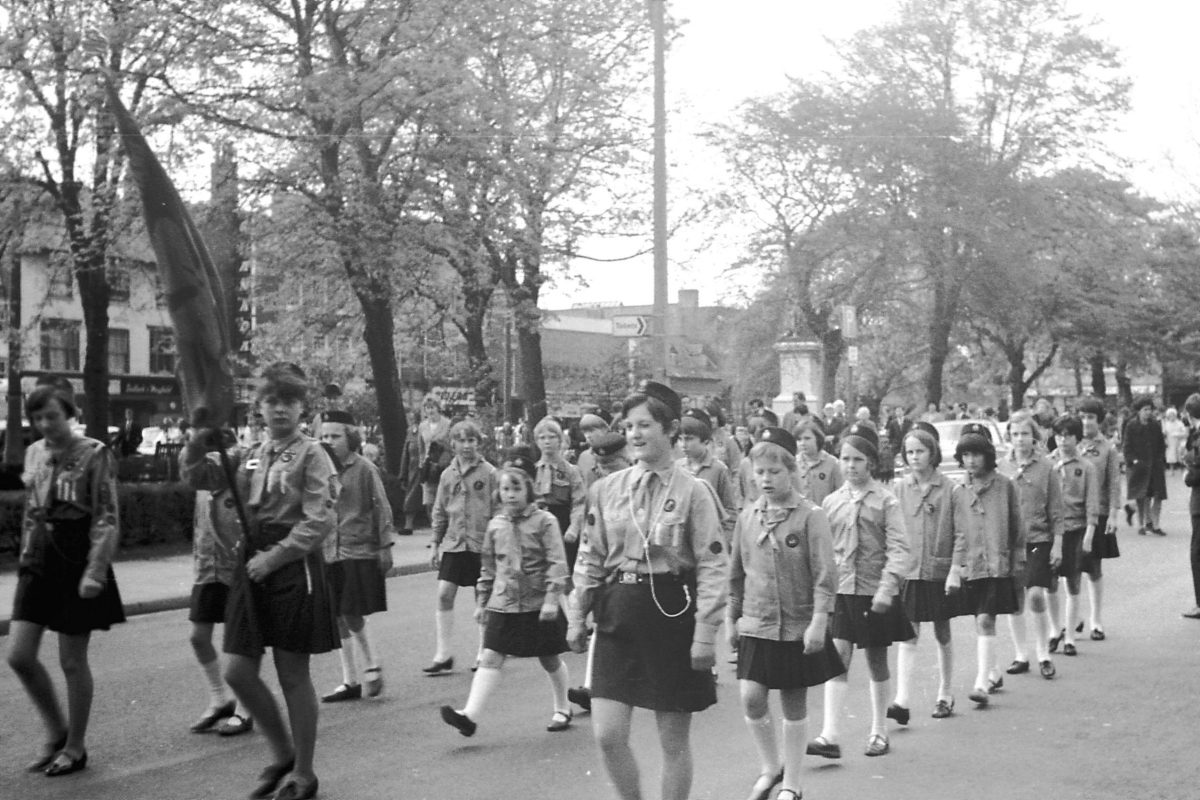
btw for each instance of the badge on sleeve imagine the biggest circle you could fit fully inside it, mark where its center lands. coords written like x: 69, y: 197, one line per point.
x: 478, y: 486
x: 591, y: 518
x: 252, y: 464
x: 1078, y: 471
x: 792, y: 540
x: 715, y: 548
x: 669, y: 505
x: 287, y: 456
x: 821, y: 475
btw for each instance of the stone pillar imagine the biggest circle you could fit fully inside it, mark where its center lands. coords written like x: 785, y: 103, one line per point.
x: 799, y: 371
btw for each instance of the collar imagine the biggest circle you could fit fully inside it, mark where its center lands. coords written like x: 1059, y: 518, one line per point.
x: 350, y: 459
x: 792, y: 502
x: 1034, y: 457
x: 524, y: 513
x: 275, y: 447
x: 1065, y: 460
x: 706, y: 461
x: 980, y: 485
x: 458, y: 467
x: 640, y: 470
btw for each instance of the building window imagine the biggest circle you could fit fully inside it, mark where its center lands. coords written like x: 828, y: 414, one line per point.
x: 118, y: 281
x: 118, y: 351
x: 60, y: 345
x: 162, y: 350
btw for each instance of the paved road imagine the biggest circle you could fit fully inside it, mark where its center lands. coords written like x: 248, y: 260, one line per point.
x: 1119, y: 721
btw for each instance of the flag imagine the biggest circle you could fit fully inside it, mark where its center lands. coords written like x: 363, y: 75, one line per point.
x: 189, y: 280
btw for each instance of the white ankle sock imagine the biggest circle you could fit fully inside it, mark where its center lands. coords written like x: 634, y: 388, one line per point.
x: 762, y: 731
x: 591, y: 662
x: 1020, y: 634
x: 363, y: 640
x: 945, y: 658
x: 985, y: 649
x: 1041, y: 634
x: 1096, y: 596
x: 795, y: 742
x: 485, y: 682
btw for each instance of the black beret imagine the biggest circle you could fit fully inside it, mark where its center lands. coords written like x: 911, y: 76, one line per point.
x: 1092, y: 405
x: 780, y: 437
x: 976, y: 428
x: 863, y: 438
x: 608, y: 444
x: 694, y: 418
x: 928, y: 427
x: 344, y: 417
x: 521, y: 457
x: 974, y: 438
x: 664, y: 394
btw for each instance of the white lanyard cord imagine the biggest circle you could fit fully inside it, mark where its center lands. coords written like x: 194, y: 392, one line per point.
x: 644, y: 534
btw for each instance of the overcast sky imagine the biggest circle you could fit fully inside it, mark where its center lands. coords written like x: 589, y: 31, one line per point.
x: 729, y: 51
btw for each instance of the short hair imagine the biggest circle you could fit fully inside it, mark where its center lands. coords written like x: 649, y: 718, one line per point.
x: 1025, y: 417
x: 989, y: 456
x: 283, y: 380
x: 1192, y: 406
x: 1067, y: 425
x: 769, y: 451
x: 659, y: 410
x: 40, y: 397
x: 519, y: 475
x: 466, y: 429
x: 926, y: 439
x: 810, y: 425
x: 430, y: 400
x: 549, y: 424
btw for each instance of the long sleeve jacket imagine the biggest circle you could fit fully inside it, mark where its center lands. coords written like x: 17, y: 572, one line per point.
x: 215, y: 537
x: 989, y: 534
x: 870, y: 543
x: 714, y: 472
x: 364, y: 515
x: 79, y: 483
x: 1080, y: 493
x: 929, y: 519
x: 1040, y: 491
x: 1105, y: 459
x: 559, y: 483
x: 818, y: 480
x: 463, y: 506
x: 781, y: 569
x: 523, y: 563
x: 674, y: 527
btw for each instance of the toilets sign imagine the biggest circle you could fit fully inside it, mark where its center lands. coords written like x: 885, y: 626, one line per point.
x: 631, y: 327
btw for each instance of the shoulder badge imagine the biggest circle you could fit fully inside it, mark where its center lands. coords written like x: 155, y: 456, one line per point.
x: 715, y: 547
x: 669, y: 505
x: 792, y: 540
x: 478, y: 486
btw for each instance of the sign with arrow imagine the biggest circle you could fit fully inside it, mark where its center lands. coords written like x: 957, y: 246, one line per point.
x: 631, y: 327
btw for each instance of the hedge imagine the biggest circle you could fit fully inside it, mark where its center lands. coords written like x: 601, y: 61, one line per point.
x: 151, y: 513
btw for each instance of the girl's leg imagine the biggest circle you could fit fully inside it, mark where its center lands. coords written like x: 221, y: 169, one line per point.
x: 556, y: 671
x: 1035, y: 606
x: 301, y: 700
x: 761, y: 727
x: 906, y: 661
x: 795, y: 735
x: 73, y: 656
x: 835, y: 694
x: 945, y: 659
x: 1096, y: 600
x: 1141, y: 514
x: 444, y: 619
x: 1020, y: 634
x: 24, y: 640
x: 1054, y: 616
x: 486, y: 679
x: 210, y: 665
x: 674, y: 736
x: 1155, y: 512
x: 985, y: 647
x: 346, y: 653
x: 362, y: 638
x: 611, y: 722
x: 241, y: 673
x: 877, y: 666
x: 1070, y: 609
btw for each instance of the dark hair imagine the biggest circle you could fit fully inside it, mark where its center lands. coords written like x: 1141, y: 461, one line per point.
x: 810, y: 425
x: 989, y: 456
x: 659, y: 410
x: 283, y: 380
x: 40, y: 397
x: 1067, y: 425
x: 1092, y: 405
x: 518, y: 474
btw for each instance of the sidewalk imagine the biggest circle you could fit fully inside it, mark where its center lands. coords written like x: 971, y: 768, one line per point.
x: 165, y: 584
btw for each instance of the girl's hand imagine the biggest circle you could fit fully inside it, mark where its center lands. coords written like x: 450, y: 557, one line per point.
x: 704, y: 656
x: 436, y: 558
x: 1055, y: 555
x: 577, y: 639
x: 256, y: 568
x: 814, y: 638
x: 479, y: 612
x: 385, y: 561
x: 548, y: 613
x: 880, y: 604
x: 732, y: 633
x: 953, y: 582
x: 89, y: 588
x: 571, y: 536
x: 1088, y: 541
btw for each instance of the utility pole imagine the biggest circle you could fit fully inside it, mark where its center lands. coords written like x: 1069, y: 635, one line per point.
x: 658, y: 23
x: 14, y: 443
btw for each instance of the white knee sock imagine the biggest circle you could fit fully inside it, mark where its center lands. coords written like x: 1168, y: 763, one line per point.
x: 1054, y: 610
x: 444, y: 625
x: 1020, y: 634
x: 795, y: 742
x: 363, y: 639
x: 906, y: 661
x: 1041, y: 634
x: 945, y: 659
x: 349, y: 662
x: 1096, y: 596
x: 558, y: 683
x: 241, y: 710
x: 217, y: 695
x: 985, y: 649
x: 762, y: 731
x: 1071, y: 607
x: 485, y: 682
x: 835, y: 698
x: 879, y: 704
x: 591, y: 663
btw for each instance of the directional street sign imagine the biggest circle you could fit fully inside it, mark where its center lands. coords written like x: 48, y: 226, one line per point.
x: 631, y: 326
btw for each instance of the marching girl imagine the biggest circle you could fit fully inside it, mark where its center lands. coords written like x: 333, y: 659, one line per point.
x: 462, y: 508
x: 818, y: 472
x: 65, y: 581
x: 279, y: 597
x: 870, y: 547
x: 654, y: 572
x: 989, y: 549
x: 782, y: 584
x: 925, y: 496
x: 558, y: 486
x: 523, y: 575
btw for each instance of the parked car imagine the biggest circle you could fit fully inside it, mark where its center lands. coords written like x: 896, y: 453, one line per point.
x: 949, y: 432
x: 151, y: 434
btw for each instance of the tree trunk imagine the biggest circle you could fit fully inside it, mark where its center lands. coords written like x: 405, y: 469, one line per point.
x: 533, y: 378
x: 93, y: 295
x: 1124, y: 384
x: 1077, y: 370
x: 939, y: 349
x: 831, y: 358
x: 1099, y: 387
x: 379, y: 335
x: 476, y: 302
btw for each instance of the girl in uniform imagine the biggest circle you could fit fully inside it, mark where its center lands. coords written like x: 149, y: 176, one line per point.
x: 870, y: 547
x: 818, y: 472
x: 654, y: 573
x: 925, y: 496
x: 65, y: 581
x: 782, y: 583
x: 989, y: 549
x: 558, y: 486
x: 279, y: 597
x: 522, y: 577
x: 461, y: 512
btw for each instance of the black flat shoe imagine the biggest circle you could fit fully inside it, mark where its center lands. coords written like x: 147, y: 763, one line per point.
x: 1047, y: 669
x: 344, y: 692
x: 1079, y: 628
x: 64, y: 764
x: 438, y: 667
x: 764, y: 784
x: 52, y: 749
x: 1055, y: 641
x: 211, y: 718
x: 1018, y: 667
x: 236, y: 725
x: 898, y: 713
x: 581, y: 697
x: 1097, y: 635
x: 944, y: 708
x: 1069, y: 650
x: 1157, y: 531
x: 824, y: 748
x: 979, y: 697
x: 269, y: 778
x: 292, y: 790
x: 994, y: 685
x: 560, y: 721
x: 465, y: 725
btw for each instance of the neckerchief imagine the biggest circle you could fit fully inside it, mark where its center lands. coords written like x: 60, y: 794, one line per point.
x: 259, y: 475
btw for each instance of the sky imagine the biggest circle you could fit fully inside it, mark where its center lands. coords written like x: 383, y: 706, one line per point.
x: 729, y: 51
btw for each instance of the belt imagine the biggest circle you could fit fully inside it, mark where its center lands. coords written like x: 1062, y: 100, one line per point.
x: 645, y: 578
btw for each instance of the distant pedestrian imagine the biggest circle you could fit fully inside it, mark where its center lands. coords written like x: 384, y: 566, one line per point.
x: 1192, y: 479
x: 1106, y: 461
x: 694, y: 440
x: 1144, y: 448
x: 69, y: 534
x: 818, y: 473
x: 1175, y: 434
x: 1081, y: 510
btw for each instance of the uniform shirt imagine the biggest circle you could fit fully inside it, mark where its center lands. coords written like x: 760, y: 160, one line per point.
x: 597, y: 469
x: 678, y: 516
x: 288, y: 482
x: 364, y: 515
x: 820, y: 479
x: 1080, y: 494
x: 523, y: 563
x: 781, y: 569
x: 559, y: 484
x: 463, y: 506
x: 1040, y: 491
x: 216, y: 533
x: 989, y: 534
x: 714, y: 472
x: 725, y: 448
x: 1105, y: 459
x: 80, y: 483
x: 929, y: 520
x: 870, y: 544
x: 747, y: 489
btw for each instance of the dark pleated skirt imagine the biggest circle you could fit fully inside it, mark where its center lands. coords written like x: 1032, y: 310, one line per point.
x: 784, y: 665
x: 523, y: 635
x: 992, y: 596
x: 460, y: 568
x: 927, y: 601
x: 208, y: 602
x: 854, y: 622
x: 48, y: 595
x: 291, y: 610
x: 357, y: 587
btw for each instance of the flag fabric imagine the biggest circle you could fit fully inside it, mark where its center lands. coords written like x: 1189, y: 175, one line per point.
x: 190, y: 282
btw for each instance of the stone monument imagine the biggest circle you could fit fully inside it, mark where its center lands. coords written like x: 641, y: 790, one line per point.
x: 799, y: 371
